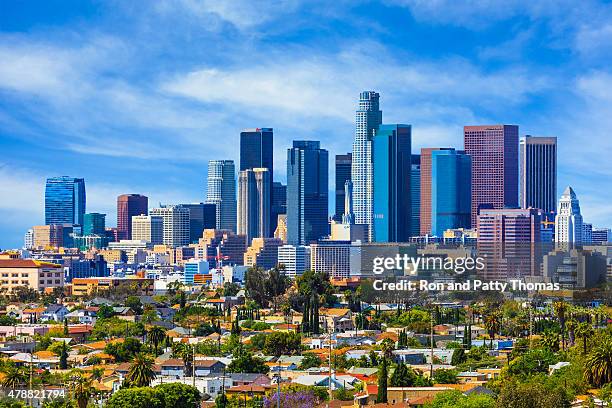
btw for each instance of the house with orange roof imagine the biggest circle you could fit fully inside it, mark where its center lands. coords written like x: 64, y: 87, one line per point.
x: 32, y: 315
x: 337, y: 320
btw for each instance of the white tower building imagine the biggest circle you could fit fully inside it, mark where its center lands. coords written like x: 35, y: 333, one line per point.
x: 568, y: 222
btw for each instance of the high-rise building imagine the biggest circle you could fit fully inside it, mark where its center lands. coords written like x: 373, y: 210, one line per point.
x: 601, y: 236
x: 64, y: 200
x: 279, y: 204
x: 391, y: 162
x: 48, y: 236
x: 343, y: 173
x: 538, y: 173
x: 222, y: 192
x: 587, y: 233
x: 281, y: 228
x: 176, y: 224
x: 148, y: 228
x: 94, y: 224
x: 201, y: 216
x: 331, y: 258
x: 347, y: 230
x: 367, y: 117
x: 568, y: 222
x: 223, y: 246
x: 509, y: 242
x: 257, y: 151
x: 263, y: 252
x: 494, y: 152
x: 295, y: 259
x: 450, y: 190
x: 415, y: 195
x: 425, y: 187
x: 307, y: 192
x: 28, y: 239
x: 254, y: 203
x: 129, y: 205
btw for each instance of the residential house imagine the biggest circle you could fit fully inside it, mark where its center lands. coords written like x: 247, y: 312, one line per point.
x: 336, y: 319
x: 54, y: 312
x: 207, y: 368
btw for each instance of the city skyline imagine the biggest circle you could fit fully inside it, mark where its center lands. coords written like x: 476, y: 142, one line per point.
x: 126, y: 150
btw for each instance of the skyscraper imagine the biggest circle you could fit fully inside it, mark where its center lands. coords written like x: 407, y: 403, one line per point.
x: 64, y: 200
x: 257, y: 151
x: 538, y: 173
x: 601, y: 236
x: 94, y: 224
x: 568, y: 222
x: 201, y: 216
x: 279, y: 203
x: 367, y: 117
x: 307, y: 192
x: 175, y: 224
x: 425, y: 187
x: 129, y: 205
x: 494, y: 152
x: 148, y: 228
x: 391, y: 162
x: 254, y: 203
x: 450, y: 190
x: 415, y: 195
x: 343, y: 173
x: 222, y: 192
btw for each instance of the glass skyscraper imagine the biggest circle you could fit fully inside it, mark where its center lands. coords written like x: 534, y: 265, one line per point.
x: 367, y: 119
x: 94, y: 224
x: 257, y: 151
x: 307, y: 192
x: 222, y: 192
x: 129, y: 205
x: 450, y: 190
x: 343, y: 173
x: 254, y: 203
x: 538, y: 173
x: 415, y: 195
x: 64, y: 200
x: 392, y: 162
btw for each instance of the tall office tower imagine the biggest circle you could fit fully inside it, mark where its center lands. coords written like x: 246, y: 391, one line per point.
x: 94, y: 224
x: 28, y: 239
x: 509, y: 242
x: 343, y: 173
x: 279, y: 204
x: 176, y: 224
x: 263, y: 252
x: 415, y: 195
x: 64, y: 200
x: 148, y: 228
x: 367, y: 117
x: 425, y: 210
x: 332, y: 258
x: 494, y: 151
x: 254, y: 203
x: 257, y: 151
x: 129, y: 205
x: 391, y: 163
x: 587, y: 233
x: 307, y: 194
x: 222, y: 192
x: 568, y: 222
x: 450, y: 190
x: 201, y: 217
x: 601, y: 236
x: 538, y: 173
x: 45, y: 236
x: 295, y: 259
x: 347, y: 230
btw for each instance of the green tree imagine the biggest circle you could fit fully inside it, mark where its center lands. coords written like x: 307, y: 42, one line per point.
x: 455, y: 399
x: 134, y: 303
x: 310, y: 360
x: 278, y: 343
x: 244, y: 362
x: 141, y: 397
x: 585, y: 331
x: 403, y: 376
x: 81, y: 390
x: 598, y: 367
x: 382, y: 382
x: 531, y: 395
x: 177, y: 395
x: 141, y: 371
x: 63, y: 362
x: 13, y: 377
x: 105, y: 312
x: 156, y: 336
x: 443, y: 376
x: 458, y: 357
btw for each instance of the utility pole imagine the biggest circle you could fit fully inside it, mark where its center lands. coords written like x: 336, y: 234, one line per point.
x: 431, y: 343
x: 193, y: 366
x: 330, y: 365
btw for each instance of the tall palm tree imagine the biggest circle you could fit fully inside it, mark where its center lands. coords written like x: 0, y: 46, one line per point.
x: 387, y: 346
x: 156, y: 336
x: 584, y: 330
x: 599, y: 364
x: 560, y: 308
x: 13, y: 377
x: 492, y: 325
x: 141, y: 371
x: 81, y: 389
x: 571, y: 325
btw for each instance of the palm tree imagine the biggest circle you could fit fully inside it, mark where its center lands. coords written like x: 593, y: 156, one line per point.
x: 387, y: 346
x: 599, y: 364
x: 82, y: 390
x: 571, y: 331
x: 157, y: 334
x: 492, y: 324
x: 141, y: 371
x: 560, y: 309
x: 13, y: 377
x: 584, y: 330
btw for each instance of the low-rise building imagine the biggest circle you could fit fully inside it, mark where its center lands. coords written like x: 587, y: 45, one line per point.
x: 31, y: 273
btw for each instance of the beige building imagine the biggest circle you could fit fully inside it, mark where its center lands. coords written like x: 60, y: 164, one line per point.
x: 88, y: 286
x: 48, y: 236
x: 27, y: 272
x: 148, y: 228
x: 263, y: 252
x: 113, y: 255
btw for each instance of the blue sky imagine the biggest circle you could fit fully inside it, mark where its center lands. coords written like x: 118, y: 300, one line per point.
x: 137, y: 96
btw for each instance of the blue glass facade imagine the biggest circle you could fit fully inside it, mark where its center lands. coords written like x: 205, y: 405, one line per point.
x: 64, y: 200
x: 307, y: 192
x: 451, y: 192
x: 391, y: 162
x: 94, y: 224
